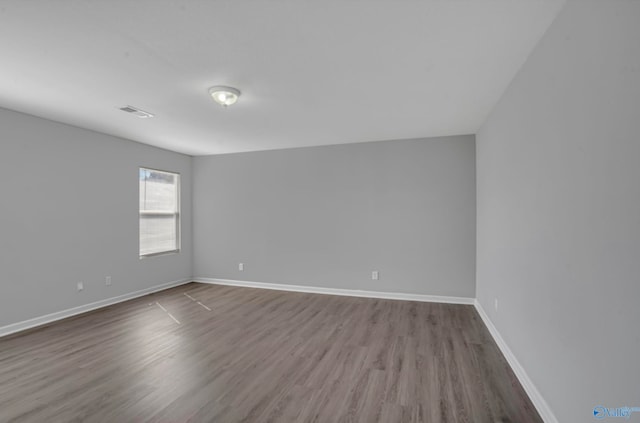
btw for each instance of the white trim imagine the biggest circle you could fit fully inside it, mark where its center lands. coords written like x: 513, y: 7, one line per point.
x: 59, y: 315
x: 536, y: 397
x: 339, y: 291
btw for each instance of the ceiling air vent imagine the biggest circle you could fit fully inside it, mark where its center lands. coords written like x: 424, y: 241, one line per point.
x: 136, y: 112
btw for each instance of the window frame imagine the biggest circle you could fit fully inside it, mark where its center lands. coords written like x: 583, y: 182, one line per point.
x: 177, y: 214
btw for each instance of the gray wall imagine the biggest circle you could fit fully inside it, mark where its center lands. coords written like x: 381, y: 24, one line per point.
x: 558, y: 186
x: 70, y: 213
x: 328, y: 216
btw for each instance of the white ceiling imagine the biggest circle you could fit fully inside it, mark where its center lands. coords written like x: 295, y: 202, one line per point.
x: 311, y: 73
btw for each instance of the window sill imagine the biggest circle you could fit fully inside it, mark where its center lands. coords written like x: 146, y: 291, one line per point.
x: 163, y: 253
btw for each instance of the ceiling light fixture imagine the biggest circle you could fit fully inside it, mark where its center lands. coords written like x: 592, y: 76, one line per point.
x: 225, y: 96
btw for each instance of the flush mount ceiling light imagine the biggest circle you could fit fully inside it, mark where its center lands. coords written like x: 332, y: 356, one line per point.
x: 225, y: 96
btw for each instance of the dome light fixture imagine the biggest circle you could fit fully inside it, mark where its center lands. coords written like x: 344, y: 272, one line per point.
x: 224, y: 96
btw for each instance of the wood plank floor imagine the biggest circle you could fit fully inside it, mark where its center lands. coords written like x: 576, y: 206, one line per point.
x: 253, y: 355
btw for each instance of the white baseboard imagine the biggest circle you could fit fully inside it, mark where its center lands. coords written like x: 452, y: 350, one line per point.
x: 59, y: 315
x: 339, y: 291
x: 536, y: 398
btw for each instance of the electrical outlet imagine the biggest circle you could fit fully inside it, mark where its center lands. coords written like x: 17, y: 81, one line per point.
x: 241, y: 266
x: 495, y: 303
x: 107, y: 280
x: 374, y: 275
x: 80, y: 286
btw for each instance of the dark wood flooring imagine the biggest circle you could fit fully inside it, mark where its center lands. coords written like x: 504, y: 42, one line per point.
x: 227, y: 354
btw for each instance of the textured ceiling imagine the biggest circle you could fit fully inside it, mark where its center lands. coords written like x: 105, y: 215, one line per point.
x: 311, y: 73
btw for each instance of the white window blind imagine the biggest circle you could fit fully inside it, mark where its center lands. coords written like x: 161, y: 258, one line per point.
x: 159, y: 212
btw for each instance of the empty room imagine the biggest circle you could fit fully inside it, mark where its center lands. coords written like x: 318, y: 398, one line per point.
x: 335, y: 211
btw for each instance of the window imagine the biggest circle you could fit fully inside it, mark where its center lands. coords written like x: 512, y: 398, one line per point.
x: 159, y: 212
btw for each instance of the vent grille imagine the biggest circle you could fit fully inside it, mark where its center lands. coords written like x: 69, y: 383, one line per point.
x: 136, y: 112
